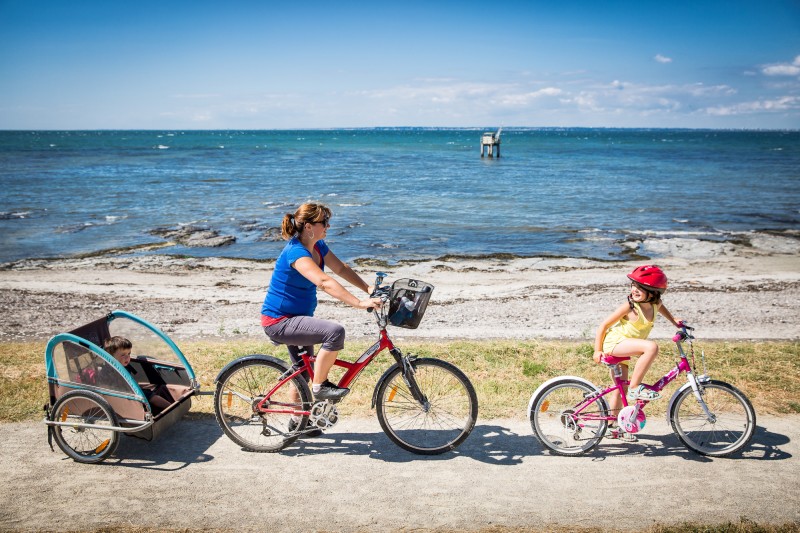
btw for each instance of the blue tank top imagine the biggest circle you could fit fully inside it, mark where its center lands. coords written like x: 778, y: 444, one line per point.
x: 289, y: 292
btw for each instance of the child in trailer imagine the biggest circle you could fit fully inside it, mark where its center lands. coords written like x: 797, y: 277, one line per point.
x: 159, y: 397
x: 624, y: 334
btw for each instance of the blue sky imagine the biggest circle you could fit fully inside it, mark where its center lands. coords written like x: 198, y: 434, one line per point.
x: 113, y: 64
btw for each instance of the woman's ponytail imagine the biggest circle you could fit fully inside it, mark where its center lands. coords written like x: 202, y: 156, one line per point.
x: 288, y: 229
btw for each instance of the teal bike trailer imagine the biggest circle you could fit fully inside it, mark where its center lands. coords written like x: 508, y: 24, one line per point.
x: 93, y: 398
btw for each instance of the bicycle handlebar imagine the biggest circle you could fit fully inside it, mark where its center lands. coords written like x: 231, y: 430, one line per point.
x: 378, y: 291
x: 683, y: 334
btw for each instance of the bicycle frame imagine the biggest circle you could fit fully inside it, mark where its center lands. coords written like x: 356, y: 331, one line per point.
x: 353, y: 369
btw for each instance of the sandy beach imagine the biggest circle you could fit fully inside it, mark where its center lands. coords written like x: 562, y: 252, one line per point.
x: 727, y: 291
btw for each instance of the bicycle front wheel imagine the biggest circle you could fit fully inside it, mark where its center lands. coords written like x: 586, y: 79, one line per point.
x: 441, y: 421
x: 727, y: 430
x: 85, y: 444
x: 567, y: 419
x: 239, y: 391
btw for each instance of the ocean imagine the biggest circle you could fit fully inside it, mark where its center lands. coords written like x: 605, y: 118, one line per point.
x: 396, y: 194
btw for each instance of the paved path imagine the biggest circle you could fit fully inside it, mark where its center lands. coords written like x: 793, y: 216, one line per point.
x: 355, y: 479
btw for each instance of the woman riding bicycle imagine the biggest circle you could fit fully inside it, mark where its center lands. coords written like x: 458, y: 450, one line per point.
x: 624, y: 332
x: 287, y: 313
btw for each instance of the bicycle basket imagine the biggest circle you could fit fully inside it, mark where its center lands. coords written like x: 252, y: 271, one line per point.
x: 408, y: 302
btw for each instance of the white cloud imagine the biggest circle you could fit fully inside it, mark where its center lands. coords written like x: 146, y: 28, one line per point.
x: 662, y: 59
x: 783, y: 103
x: 783, y: 69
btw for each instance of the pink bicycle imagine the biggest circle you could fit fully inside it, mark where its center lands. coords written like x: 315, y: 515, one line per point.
x: 569, y: 415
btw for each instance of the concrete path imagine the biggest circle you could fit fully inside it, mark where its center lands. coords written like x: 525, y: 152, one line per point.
x: 355, y: 479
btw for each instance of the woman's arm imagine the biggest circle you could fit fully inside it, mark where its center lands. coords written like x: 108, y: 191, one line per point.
x: 311, y: 271
x: 344, y: 271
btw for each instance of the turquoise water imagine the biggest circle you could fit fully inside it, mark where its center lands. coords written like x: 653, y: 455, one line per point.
x: 396, y: 193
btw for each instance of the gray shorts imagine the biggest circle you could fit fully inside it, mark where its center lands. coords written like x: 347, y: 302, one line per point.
x: 307, y: 331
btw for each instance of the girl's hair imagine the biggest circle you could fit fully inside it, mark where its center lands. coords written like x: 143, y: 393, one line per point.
x: 653, y: 297
x: 117, y: 343
x: 309, y: 212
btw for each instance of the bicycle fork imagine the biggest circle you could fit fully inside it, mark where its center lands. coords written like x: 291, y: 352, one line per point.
x: 695, y: 384
x: 409, y: 377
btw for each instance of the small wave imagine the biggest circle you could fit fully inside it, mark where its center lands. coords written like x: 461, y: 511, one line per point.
x: 350, y: 205
x: 278, y: 205
x: 681, y: 220
x: 14, y: 215
x: 162, y: 147
x: 74, y: 228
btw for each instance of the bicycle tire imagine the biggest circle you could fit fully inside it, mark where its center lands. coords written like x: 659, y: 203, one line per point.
x: 730, y: 431
x: 85, y: 445
x: 245, y: 384
x: 555, y: 424
x: 432, y: 429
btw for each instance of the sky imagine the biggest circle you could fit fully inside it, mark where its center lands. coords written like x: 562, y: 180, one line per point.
x: 268, y: 64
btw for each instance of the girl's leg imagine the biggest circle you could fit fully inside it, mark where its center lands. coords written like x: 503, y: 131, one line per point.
x: 615, y: 400
x: 646, y: 351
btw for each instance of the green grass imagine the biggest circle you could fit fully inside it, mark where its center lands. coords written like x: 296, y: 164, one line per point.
x: 504, y: 373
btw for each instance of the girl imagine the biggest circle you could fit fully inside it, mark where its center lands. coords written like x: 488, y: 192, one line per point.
x: 624, y: 332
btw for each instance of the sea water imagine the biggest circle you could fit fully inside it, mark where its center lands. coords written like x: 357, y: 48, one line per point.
x: 396, y: 194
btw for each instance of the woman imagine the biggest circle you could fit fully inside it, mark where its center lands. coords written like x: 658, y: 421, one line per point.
x: 288, y: 311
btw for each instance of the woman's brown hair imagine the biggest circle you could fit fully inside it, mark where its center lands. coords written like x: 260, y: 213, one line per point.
x: 309, y: 212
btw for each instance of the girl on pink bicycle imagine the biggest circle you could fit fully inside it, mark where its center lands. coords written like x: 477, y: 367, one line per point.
x: 624, y: 332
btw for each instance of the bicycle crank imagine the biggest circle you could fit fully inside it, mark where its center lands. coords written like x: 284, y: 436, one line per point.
x: 323, y: 415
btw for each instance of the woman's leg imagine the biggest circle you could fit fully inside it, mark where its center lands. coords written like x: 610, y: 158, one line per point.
x: 306, y: 331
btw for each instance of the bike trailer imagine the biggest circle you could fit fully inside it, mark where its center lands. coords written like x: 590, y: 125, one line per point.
x: 93, y: 398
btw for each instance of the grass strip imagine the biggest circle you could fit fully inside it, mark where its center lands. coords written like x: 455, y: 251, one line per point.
x: 504, y: 373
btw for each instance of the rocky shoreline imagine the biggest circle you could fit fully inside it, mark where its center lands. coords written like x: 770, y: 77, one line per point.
x: 728, y: 291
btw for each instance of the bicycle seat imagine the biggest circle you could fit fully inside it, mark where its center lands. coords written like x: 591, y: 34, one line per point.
x: 613, y: 360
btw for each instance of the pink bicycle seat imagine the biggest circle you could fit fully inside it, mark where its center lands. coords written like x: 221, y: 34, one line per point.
x: 613, y: 360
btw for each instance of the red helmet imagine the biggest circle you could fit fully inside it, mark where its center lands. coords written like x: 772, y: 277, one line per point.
x: 649, y: 276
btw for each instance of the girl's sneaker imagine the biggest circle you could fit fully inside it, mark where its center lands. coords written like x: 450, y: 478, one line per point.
x: 642, y: 393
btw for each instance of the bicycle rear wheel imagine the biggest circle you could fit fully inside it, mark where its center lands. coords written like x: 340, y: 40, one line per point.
x: 564, y: 420
x: 439, y: 424
x: 242, y: 387
x: 727, y: 431
x: 85, y: 445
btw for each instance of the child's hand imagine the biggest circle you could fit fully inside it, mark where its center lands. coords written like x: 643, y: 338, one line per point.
x: 597, y: 355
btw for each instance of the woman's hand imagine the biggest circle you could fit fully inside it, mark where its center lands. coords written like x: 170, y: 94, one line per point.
x: 369, y: 303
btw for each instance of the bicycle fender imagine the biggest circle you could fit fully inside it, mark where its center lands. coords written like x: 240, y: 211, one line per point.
x: 383, y: 378
x: 549, y: 382
x: 252, y: 357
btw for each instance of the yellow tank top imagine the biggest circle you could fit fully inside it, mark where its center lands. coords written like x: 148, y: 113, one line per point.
x: 625, y: 329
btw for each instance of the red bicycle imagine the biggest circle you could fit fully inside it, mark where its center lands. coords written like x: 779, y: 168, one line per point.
x: 425, y: 405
